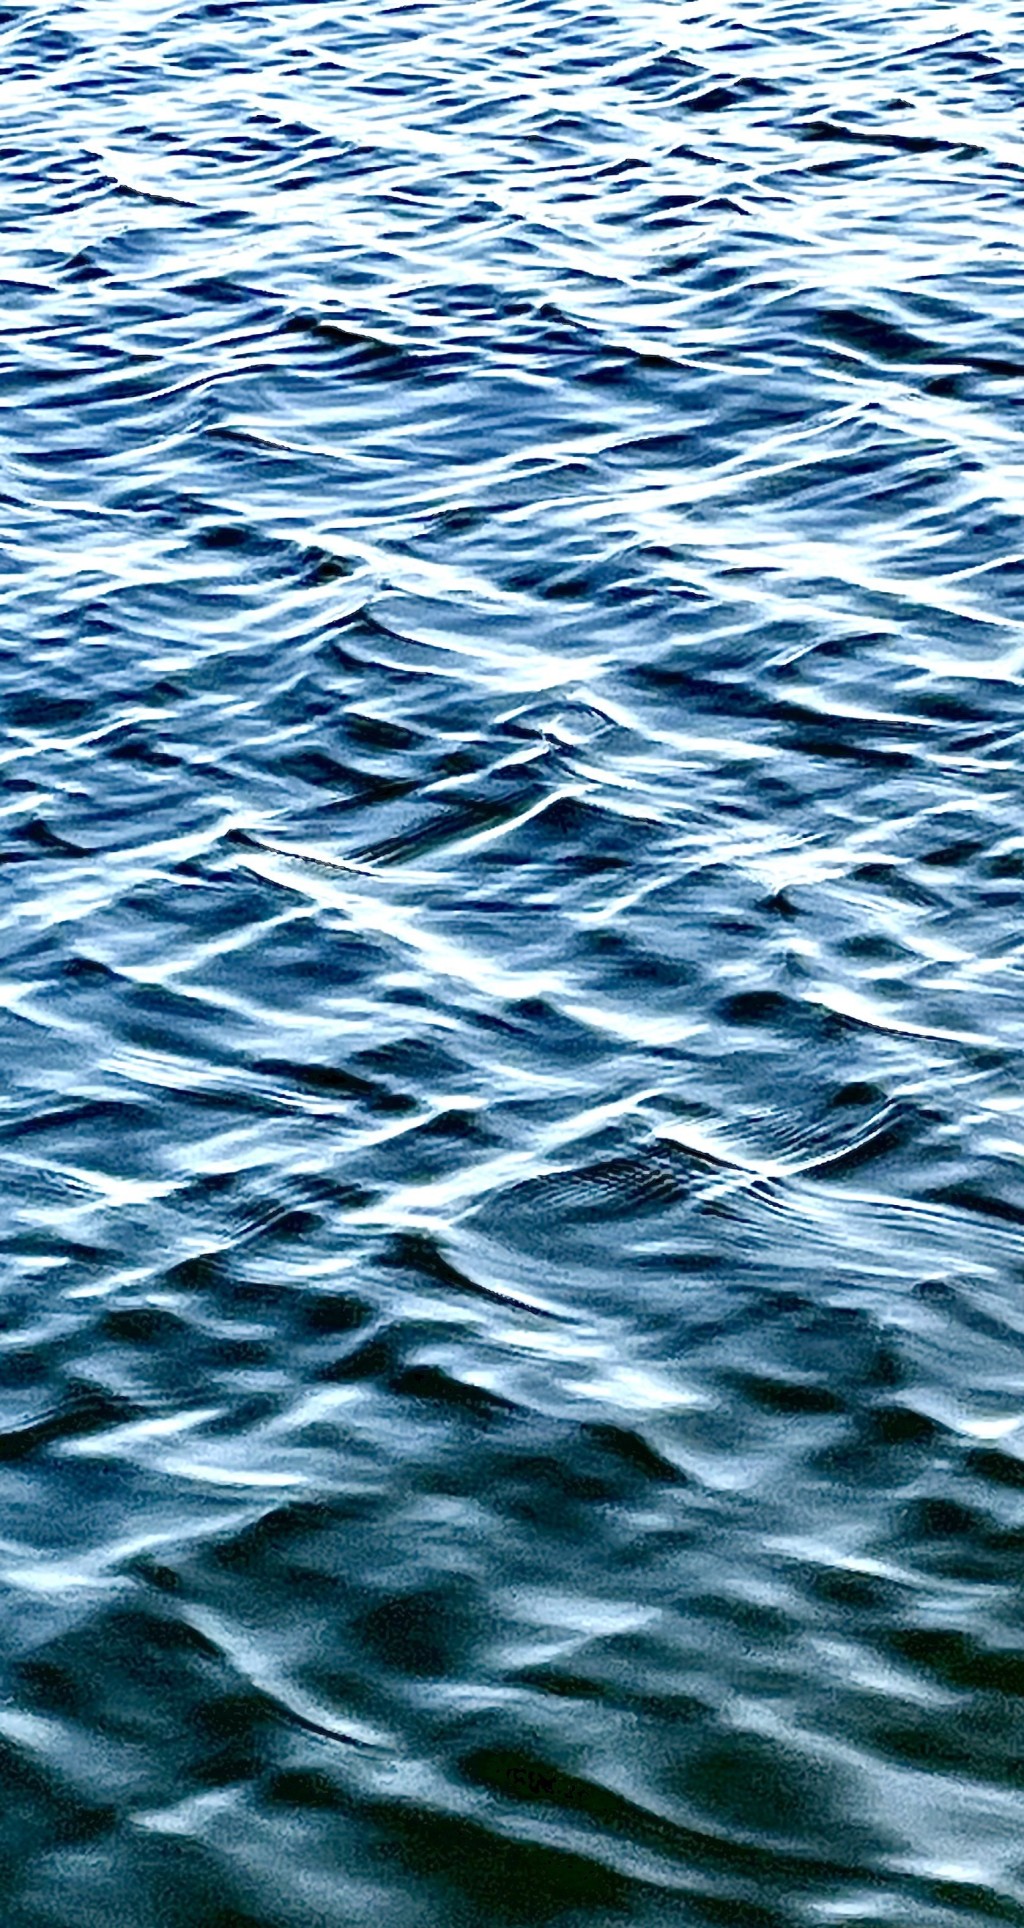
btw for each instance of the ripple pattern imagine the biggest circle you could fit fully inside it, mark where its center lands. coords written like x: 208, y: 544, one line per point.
x: 512, y: 847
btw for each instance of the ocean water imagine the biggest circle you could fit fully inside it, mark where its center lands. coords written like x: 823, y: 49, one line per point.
x: 512, y: 1005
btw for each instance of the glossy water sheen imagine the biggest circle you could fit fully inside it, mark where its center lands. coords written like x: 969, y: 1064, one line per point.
x: 512, y: 1351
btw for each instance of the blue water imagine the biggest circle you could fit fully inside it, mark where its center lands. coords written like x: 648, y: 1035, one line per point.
x: 511, y: 1117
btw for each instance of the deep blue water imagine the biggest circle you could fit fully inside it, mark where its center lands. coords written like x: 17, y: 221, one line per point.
x: 512, y: 1007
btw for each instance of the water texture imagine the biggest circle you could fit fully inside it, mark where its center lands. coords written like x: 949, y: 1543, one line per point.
x: 511, y: 1125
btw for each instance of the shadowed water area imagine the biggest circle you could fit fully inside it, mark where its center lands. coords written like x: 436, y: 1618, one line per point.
x: 511, y: 653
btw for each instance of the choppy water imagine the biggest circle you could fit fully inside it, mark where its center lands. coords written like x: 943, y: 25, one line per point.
x: 512, y: 1352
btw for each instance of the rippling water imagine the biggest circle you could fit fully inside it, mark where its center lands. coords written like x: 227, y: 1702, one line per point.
x: 512, y: 1346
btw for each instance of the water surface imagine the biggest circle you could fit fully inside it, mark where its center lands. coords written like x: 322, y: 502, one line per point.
x: 512, y: 1340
